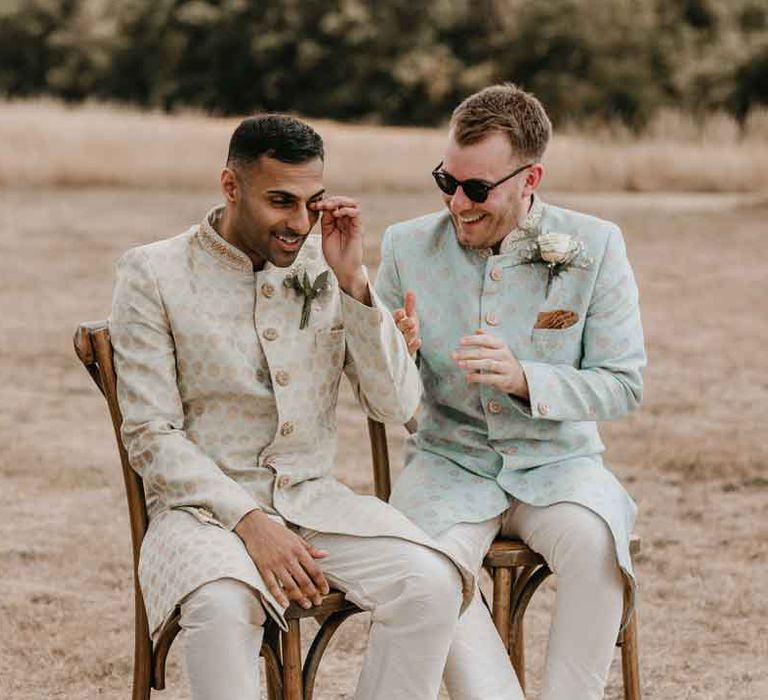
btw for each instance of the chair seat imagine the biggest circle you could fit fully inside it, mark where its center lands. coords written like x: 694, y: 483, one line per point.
x: 333, y: 602
x: 513, y: 552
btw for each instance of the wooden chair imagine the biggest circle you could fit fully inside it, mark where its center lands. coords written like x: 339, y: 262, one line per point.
x: 287, y: 677
x: 516, y: 571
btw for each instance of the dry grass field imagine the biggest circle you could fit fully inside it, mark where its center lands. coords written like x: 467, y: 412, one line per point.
x: 694, y: 456
x: 103, y: 146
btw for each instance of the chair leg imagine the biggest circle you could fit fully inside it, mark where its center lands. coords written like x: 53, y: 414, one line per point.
x: 516, y: 632
x: 272, y: 688
x: 270, y: 652
x: 292, y: 677
x: 630, y: 665
x: 141, y: 683
x: 502, y: 602
x: 517, y: 653
x: 142, y: 667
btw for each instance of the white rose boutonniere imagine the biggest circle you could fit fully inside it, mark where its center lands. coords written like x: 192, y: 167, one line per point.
x: 299, y: 280
x: 559, y: 252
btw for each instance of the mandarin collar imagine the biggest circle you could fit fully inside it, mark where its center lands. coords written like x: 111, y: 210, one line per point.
x: 212, y: 241
x: 528, y: 228
x: 309, y: 257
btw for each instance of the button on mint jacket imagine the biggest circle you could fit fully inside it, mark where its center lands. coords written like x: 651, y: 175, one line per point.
x: 477, y: 447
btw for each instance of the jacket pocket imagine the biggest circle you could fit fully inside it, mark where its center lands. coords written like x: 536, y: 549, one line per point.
x: 559, y: 345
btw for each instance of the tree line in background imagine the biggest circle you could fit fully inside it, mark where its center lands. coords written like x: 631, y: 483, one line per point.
x: 392, y: 61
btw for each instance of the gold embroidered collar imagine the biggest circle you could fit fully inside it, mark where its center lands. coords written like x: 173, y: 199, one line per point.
x: 212, y: 241
x: 529, y: 226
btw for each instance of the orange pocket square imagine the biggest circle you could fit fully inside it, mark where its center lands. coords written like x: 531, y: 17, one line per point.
x: 559, y: 318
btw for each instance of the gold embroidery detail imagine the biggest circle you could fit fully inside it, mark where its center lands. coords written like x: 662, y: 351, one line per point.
x: 213, y: 242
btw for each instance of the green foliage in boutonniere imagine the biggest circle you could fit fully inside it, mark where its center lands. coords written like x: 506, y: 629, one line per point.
x: 559, y: 252
x: 301, y: 283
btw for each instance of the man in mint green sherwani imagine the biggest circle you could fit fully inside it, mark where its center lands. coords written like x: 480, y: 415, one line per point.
x: 526, y: 322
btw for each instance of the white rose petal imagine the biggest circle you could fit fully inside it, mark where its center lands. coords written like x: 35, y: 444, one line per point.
x: 555, y: 247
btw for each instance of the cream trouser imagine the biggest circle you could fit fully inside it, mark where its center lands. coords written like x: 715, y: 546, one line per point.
x: 414, y: 594
x: 580, y: 550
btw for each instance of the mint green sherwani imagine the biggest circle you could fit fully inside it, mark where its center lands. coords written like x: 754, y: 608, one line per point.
x: 478, y: 448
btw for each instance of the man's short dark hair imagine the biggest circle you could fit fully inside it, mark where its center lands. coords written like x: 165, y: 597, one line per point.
x: 277, y: 136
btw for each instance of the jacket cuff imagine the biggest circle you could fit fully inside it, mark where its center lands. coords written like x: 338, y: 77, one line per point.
x: 359, y: 314
x: 538, y: 405
x: 235, y: 511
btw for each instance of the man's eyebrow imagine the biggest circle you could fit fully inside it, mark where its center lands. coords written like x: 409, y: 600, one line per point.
x: 283, y: 193
x: 291, y: 195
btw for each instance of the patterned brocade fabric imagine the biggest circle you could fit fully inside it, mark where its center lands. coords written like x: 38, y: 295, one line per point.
x: 229, y: 406
x: 478, y: 448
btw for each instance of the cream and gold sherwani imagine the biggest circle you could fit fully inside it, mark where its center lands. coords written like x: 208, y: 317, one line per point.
x: 229, y: 406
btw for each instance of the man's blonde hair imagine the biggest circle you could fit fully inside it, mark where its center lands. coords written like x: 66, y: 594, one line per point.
x: 508, y: 110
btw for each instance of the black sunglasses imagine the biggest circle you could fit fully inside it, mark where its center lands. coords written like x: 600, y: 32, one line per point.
x: 476, y: 190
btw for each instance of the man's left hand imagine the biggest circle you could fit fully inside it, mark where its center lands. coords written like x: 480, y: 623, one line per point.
x: 342, y: 232
x: 486, y: 359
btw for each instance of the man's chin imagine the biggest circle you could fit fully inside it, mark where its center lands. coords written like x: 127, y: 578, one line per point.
x: 474, y: 239
x: 284, y: 258
x: 473, y: 242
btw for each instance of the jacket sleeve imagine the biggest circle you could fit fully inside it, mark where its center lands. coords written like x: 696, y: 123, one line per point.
x: 175, y: 470
x: 388, y: 285
x: 378, y: 366
x: 608, y: 382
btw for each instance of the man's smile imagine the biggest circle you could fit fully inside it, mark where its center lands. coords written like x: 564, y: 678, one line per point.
x: 289, y: 242
x: 470, y: 219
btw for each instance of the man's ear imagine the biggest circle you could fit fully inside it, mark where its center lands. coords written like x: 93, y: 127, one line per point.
x: 229, y: 185
x: 533, y: 179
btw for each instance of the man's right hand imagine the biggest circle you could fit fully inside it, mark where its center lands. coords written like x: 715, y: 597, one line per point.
x: 285, y: 561
x: 407, y: 321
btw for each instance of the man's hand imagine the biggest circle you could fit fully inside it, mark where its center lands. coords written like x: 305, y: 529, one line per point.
x: 407, y: 321
x: 487, y: 360
x: 342, y: 232
x: 285, y: 561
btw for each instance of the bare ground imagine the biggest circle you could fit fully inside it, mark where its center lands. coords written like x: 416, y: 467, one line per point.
x: 694, y: 457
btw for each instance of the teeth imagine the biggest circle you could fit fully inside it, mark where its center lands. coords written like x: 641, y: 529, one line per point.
x: 470, y: 220
x: 287, y: 239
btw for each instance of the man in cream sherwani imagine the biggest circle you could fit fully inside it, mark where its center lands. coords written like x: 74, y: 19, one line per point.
x: 230, y: 340
x: 525, y: 317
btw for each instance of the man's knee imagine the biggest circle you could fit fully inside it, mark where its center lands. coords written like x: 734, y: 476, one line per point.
x: 585, y: 542
x: 433, y: 580
x: 226, y: 602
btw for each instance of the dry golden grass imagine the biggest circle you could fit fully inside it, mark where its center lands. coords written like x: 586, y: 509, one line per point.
x: 56, y: 146
x: 694, y: 456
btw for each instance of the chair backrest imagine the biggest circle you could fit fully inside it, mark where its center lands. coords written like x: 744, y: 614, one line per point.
x: 94, y: 348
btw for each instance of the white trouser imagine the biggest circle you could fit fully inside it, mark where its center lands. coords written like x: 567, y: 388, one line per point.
x: 579, y: 549
x: 414, y: 594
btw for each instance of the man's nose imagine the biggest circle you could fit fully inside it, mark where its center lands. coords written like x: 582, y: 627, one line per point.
x: 459, y: 201
x: 301, y: 221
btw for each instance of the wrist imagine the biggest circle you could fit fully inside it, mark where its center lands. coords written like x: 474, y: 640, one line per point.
x: 253, y: 518
x: 356, y: 286
x: 520, y: 390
